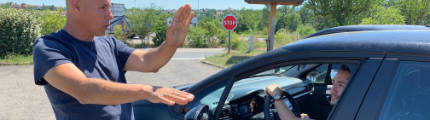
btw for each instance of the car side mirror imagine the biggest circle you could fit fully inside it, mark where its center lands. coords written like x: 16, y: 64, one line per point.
x: 200, y: 112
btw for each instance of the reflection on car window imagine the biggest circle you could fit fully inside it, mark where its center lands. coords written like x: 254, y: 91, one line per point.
x: 277, y: 71
x: 212, y: 99
x: 409, y: 94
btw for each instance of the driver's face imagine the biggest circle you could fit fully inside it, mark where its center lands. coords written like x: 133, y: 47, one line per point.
x: 340, y: 81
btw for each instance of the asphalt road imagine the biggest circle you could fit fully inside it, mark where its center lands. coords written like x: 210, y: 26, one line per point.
x: 21, y: 99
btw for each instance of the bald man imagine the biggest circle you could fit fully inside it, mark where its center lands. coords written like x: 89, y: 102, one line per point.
x: 83, y: 75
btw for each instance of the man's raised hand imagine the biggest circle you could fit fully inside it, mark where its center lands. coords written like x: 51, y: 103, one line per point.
x: 178, y: 30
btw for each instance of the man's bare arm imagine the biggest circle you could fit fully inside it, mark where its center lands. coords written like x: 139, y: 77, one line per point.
x: 282, y: 109
x: 283, y: 112
x: 69, y: 79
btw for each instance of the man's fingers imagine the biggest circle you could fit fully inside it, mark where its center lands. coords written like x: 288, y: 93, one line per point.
x: 178, y: 14
x: 186, y: 13
x: 177, y: 99
x: 190, y: 18
x: 186, y: 95
x: 166, y: 101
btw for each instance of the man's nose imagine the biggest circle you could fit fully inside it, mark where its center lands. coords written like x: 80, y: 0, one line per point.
x: 332, y: 91
x: 110, y: 15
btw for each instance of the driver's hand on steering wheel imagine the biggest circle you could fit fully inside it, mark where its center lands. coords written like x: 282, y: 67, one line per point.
x: 273, y: 89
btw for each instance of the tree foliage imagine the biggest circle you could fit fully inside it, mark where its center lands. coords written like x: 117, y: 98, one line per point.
x: 331, y: 13
x: 381, y: 15
x: 289, y: 19
x: 414, y: 11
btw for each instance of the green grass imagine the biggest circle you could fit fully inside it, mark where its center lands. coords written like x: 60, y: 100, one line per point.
x: 225, y: 60
x: 17, y: 60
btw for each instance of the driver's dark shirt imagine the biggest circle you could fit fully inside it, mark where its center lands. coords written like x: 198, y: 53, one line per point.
x: 317, y: 107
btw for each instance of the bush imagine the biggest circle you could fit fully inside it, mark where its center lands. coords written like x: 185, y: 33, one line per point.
x: 18, y: 30
x: 305, y: 30
x: 197, y: 37
x: 120, y: 34
x: 283, y: 37
x: 160, y: 35
x: 52, y: 21
x: 235, y: 42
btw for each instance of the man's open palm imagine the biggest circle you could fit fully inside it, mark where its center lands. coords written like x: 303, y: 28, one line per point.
x: 178, y: 29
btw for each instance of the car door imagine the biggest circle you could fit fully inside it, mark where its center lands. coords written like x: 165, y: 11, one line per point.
x: 400, y: 90
x: 353, y: 94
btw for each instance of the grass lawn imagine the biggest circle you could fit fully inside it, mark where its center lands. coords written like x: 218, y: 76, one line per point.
x: 17, y: 60
x: 225, y: 60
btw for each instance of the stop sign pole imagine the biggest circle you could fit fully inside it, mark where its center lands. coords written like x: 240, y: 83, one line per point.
x: 229, y: 22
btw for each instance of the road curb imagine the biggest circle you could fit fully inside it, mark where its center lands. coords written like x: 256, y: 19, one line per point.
x: 211, y: 64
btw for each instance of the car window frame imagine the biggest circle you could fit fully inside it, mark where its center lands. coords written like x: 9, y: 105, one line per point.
x: 276, y: 64
x: 373, y: 102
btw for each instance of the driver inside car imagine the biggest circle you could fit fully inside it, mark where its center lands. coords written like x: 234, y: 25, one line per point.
x: 340, y: 80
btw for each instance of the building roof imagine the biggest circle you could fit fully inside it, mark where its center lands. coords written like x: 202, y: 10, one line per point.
x: 279, y: 2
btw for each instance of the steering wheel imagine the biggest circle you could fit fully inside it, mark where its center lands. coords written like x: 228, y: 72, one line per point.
x: 268, y: 100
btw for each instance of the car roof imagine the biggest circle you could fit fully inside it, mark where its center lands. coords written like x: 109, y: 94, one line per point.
x: 386, y: 39
x: 352, y: 28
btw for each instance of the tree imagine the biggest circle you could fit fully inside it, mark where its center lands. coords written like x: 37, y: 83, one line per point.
x: 142, y: 22
x: 414, y: 10
x: 161, y: 28
x: 289, y: 19
x: 381, y: 15
x: 248, y: 20
x: 264, y: 21
x: 331, y: 13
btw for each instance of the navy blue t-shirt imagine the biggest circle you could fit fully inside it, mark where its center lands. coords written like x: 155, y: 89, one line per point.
x: 103, y: 58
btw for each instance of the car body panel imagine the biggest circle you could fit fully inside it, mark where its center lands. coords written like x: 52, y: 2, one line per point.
x: 375, y: 98
x: 369, y: 48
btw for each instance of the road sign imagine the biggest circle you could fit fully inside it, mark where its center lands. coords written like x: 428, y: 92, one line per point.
x: 229, y: 22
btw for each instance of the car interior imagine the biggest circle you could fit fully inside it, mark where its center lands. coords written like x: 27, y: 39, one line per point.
x: 306, y: 90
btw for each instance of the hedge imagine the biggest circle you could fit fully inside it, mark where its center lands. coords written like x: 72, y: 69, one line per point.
x: 18, y: 30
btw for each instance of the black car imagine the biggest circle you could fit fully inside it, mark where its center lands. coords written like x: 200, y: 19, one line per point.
x: 390, y: 79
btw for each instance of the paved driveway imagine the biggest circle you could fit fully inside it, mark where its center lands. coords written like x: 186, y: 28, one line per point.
x: 22, y: 100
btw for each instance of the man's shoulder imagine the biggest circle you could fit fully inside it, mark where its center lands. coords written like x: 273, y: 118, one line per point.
x: 52, y: 41
x: 108, y: 38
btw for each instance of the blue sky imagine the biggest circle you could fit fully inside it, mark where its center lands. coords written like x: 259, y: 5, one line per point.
x: 165, y: 4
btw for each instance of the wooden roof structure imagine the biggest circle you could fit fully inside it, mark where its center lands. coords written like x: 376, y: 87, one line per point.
x: 278, y: 2
x: 272, y: 17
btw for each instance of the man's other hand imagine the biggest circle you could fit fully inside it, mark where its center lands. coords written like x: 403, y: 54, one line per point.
x: 178, y: 30
x: 273, y: 90
x: 170, y: 96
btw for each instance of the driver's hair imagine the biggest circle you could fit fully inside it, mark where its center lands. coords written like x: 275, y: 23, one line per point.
x: 345, y: 68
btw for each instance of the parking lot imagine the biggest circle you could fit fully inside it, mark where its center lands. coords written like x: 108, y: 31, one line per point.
x: 21, y: 99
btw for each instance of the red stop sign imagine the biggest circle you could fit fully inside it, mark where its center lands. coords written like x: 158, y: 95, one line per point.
x: 229, y: 22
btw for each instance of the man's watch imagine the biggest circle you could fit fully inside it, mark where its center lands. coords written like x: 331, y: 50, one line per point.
x: 277, y: 97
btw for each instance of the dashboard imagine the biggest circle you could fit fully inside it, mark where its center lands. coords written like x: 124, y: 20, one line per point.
x: 250, y: 107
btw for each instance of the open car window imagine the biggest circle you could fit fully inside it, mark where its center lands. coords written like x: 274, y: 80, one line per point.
x: 309, y: 84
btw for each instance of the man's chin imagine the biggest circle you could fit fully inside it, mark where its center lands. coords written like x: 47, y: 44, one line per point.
x: 101, y: 34
x: 332, y: 102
